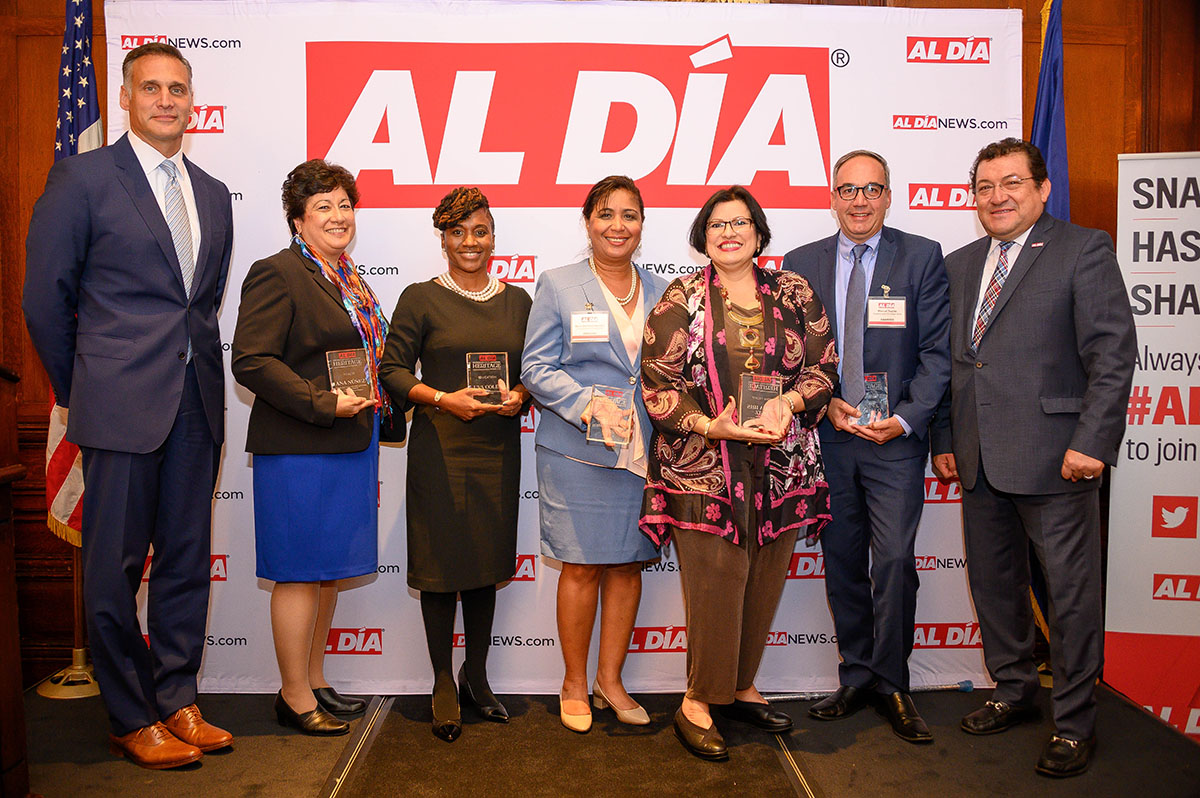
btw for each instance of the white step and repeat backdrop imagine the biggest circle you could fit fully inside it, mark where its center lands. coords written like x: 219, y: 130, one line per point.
x: 1152, y: 631
x: 534, y: 101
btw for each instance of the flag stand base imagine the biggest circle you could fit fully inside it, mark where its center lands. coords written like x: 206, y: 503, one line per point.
x: 74, y: 681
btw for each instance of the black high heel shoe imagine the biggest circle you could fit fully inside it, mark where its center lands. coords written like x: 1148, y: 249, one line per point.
x: 334, y: 702
x: 495, y: 712
x: 316, y: 722
x: 448, y: 728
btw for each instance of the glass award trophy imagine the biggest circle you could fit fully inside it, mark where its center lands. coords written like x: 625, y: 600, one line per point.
x: 620, y: 430
x: 489, y: 371
x: 350, y: 371
x: 756, y: 391
x: 874, y: 406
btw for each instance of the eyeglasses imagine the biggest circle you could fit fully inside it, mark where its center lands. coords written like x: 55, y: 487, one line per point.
x: 1009, y: 184
x: 871, y: 191
x: 716, y: 228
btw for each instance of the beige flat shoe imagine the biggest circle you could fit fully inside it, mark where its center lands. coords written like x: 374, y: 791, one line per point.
x: 580, y: 724
x: 634, y: 717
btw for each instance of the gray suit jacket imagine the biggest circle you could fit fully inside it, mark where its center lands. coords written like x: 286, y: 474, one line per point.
x: 1054, y: 367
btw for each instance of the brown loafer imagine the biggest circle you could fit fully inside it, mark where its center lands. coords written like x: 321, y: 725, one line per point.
x: 154, y: 747
x: 189, y: 726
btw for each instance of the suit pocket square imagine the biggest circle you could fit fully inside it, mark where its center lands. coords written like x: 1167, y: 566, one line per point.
x: 1062, y: 404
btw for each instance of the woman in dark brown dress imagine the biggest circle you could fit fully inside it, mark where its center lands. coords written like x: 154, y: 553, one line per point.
x: 464, y: 456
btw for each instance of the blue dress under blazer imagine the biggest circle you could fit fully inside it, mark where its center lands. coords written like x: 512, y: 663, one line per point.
x: 589, y: 508
x: 877, y: 491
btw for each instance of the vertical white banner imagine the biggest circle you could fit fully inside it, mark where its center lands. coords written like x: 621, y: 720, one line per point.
x: 1152, y: 632
x: 534, y: 101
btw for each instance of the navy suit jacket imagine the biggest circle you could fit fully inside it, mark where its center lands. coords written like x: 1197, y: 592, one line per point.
x: 917, y: 357
x: 560, y: 374
x: 105, y: 304
x: 1053, y: 369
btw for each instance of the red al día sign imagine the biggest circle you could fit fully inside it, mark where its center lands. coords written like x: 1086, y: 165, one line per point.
x: 535, y: 123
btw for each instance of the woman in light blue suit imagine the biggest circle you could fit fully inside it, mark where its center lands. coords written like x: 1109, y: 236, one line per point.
x: 585, y: 330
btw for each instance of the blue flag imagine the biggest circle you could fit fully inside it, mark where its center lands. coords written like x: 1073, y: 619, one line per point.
x: 1049, y: 117
x: 78, y: 128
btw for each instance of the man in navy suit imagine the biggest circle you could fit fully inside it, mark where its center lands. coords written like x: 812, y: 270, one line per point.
x: 1043, y: 346
x: 126, y: 260
x: 885, y: 293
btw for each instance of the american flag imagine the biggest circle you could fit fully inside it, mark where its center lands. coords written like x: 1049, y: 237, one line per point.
x: 77, y: 129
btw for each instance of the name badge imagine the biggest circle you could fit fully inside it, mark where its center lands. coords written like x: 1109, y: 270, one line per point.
x: 886, y: 311
x: 589, y: 327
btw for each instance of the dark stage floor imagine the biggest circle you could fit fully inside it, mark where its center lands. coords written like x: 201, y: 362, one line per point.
x: 391, y: 751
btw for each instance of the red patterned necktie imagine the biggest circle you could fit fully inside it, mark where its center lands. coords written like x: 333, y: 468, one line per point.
x: 990, y: 295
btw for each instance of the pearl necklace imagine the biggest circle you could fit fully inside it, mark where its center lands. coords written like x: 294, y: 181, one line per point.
x: 483, y: 295
x: 633, y: 280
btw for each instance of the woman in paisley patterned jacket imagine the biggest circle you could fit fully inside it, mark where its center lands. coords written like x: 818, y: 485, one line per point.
x: 733, y: 493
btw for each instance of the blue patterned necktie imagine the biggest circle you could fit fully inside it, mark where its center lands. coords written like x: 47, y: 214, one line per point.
x: 180, y: 225
x: 853, y: 387
x: 991, y: 294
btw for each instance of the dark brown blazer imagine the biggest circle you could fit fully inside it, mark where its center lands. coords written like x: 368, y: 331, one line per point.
x: 290, y: 316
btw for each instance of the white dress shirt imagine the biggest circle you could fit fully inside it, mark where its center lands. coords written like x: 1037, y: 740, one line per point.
x: 150, y: 159
x: 989, y: 268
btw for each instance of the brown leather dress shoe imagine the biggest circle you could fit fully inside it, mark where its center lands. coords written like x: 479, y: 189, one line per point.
x: 189, y: 726
x: 154, y: 747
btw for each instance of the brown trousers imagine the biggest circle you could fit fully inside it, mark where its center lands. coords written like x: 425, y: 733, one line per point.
x: 730, y: 594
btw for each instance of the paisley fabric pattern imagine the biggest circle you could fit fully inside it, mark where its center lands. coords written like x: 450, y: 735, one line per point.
x: 686, y: 373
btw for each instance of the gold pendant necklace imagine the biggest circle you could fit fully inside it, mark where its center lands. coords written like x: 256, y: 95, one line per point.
x: 748, y: 334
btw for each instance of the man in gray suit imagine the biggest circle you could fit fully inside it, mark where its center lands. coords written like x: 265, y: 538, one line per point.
x: 1042, y: 345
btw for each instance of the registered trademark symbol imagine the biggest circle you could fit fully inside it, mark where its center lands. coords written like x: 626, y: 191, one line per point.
x: 839, y: 58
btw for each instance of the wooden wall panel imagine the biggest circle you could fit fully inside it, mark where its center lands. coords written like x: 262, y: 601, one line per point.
x: 1132, y: 84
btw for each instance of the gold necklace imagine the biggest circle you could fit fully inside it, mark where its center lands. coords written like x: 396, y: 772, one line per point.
x: 748, y: 334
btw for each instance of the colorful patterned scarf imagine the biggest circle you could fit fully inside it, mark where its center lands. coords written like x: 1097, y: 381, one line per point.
x: 363, y: 308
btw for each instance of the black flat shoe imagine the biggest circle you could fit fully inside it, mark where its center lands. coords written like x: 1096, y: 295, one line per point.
x: 318, y: 722
x: 996, y: 716
x: 704, y: 743
x: 1063, y: 757
x: 760, y: 715
x: 906, y: 722
x: 842, y: 704
x: 493, y: 710
x: 447, y: 728
x: 334, y: 702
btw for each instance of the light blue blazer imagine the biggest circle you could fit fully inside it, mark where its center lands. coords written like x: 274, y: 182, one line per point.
x: 560, y: 374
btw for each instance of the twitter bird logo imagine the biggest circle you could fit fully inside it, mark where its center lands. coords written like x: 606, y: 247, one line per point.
x: 1173, y: 518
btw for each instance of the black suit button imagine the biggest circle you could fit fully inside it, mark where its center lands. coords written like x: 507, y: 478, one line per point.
x: 183, y: 355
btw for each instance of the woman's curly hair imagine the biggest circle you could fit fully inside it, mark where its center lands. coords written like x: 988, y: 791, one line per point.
x: 458, y: 205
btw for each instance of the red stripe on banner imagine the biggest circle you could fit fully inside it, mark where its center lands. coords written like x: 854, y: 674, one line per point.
x: 1159, y: 672
x: 534, y: 107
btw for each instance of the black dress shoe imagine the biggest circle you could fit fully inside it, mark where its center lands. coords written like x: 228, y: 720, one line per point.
x: 760, y: 715
x: 1063, y: 757
x: 448, y: 727
x: 317, y: 722
x: 491, y: 710
x: 842, y: 704
x: 704, y: 743
x: 906, y: 721
x: 333, y: 701
x: 996, y: 716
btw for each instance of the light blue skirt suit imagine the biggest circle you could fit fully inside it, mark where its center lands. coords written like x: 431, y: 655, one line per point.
x: 589, y: 509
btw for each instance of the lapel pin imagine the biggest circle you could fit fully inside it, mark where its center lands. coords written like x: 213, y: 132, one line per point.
x: 1038, y: 244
